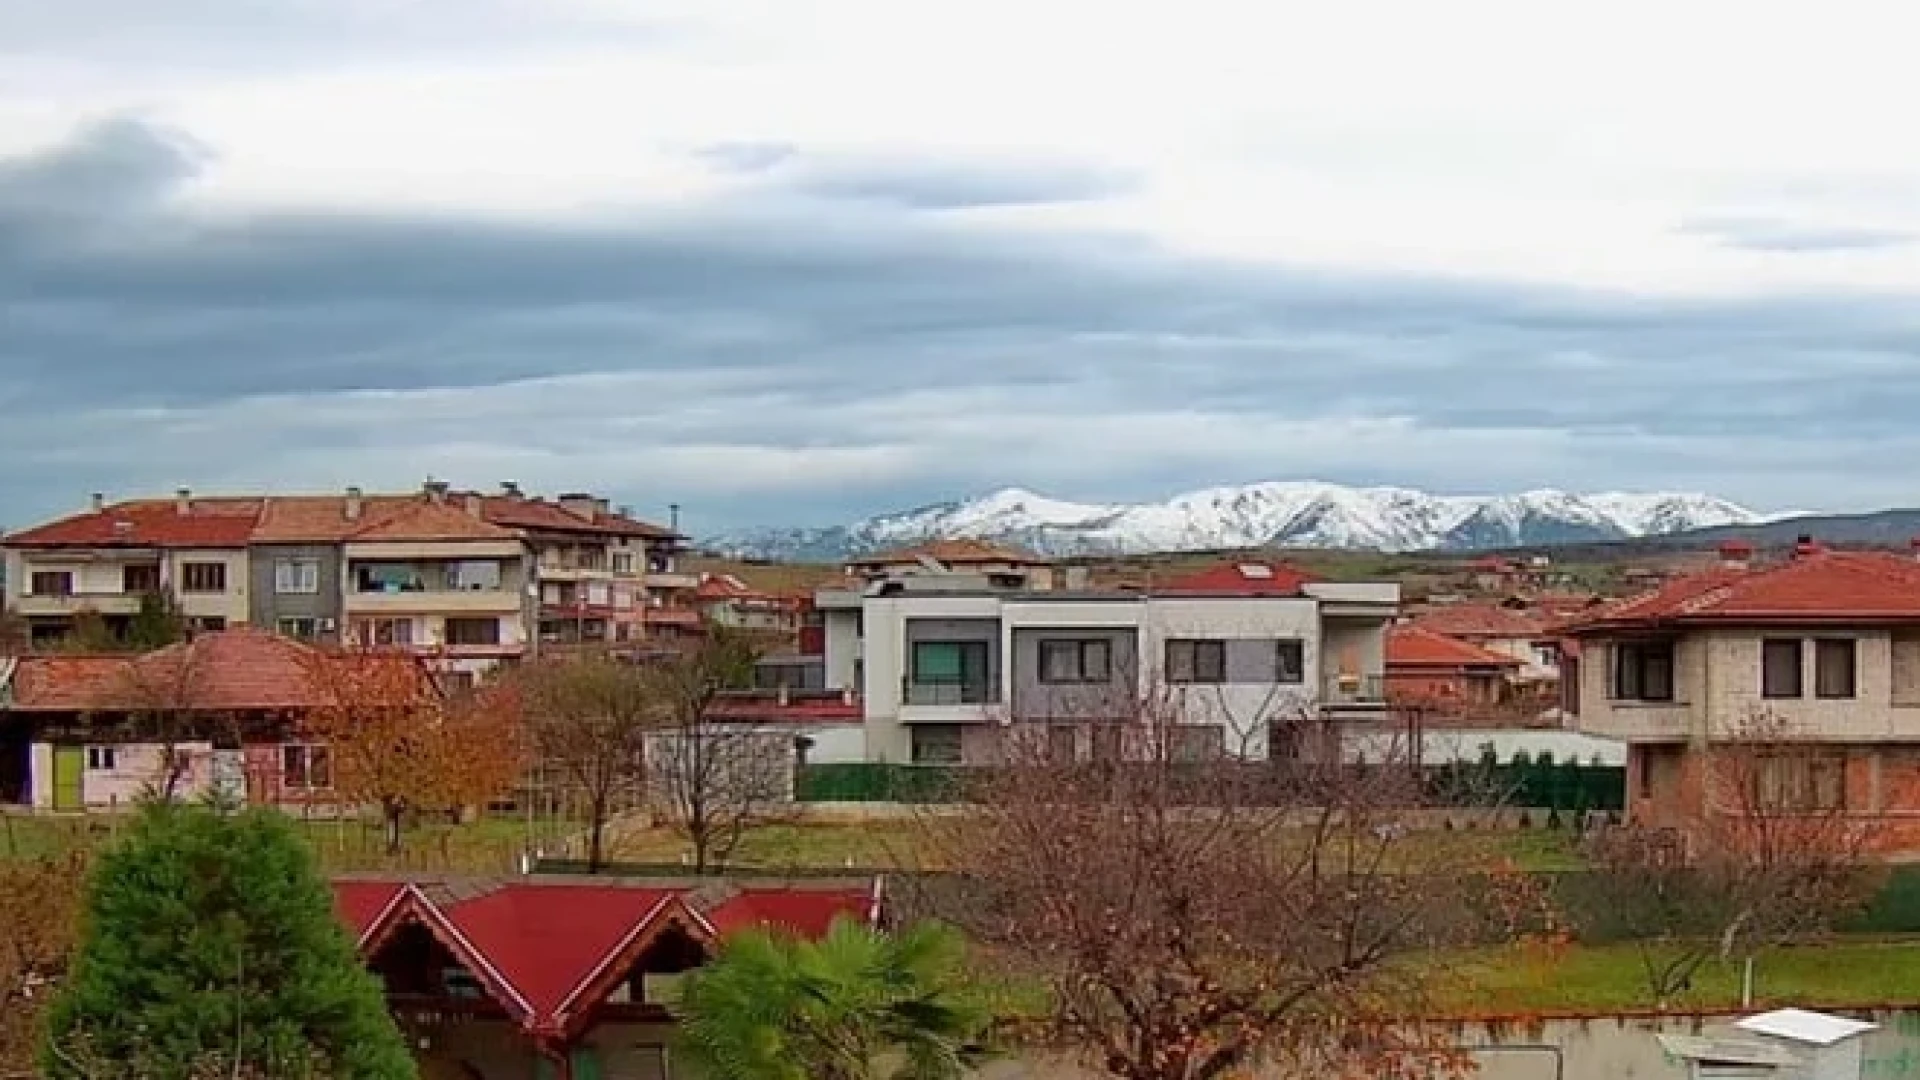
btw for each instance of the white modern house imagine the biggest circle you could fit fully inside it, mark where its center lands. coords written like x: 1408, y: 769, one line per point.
x: 947, y: 664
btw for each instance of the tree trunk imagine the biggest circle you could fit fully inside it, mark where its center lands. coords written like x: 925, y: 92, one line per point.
x: 393, y: 813
x: 596, y: 834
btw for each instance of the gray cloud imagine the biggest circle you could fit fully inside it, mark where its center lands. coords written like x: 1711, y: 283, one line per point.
x: 1784, y: 235
x: 771, y: 360
x: 915, y: 184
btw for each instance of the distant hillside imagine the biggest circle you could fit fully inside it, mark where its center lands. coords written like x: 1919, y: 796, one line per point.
x: 1882, y: 529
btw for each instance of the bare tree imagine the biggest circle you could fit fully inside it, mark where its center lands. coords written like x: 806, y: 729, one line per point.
x: 588, y: 715
x: 714, y: 779
x: 166, y: 693
x: 1772, y: 853
x: 1195, y: 915
x: 16, y: 634
x: 39, y: 909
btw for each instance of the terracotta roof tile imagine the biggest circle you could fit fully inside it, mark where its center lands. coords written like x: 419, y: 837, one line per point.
x: 1480, y: 621
x: 543, y: 514
x: 1819, y: 585
x: 1411, y: 646
x: 320, y: 518
x: 422, y: 520
x: 208, y: 523
x: 1239, y: 578
x: 964, y: 551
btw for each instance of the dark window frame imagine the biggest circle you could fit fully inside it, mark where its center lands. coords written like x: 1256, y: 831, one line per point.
x: 1795, y: 684
x: 1292, y: 650
x: 1084, y: 650
x: 1204, y: 662
x: 203, y: 578
x: 36, y: 578
x: 1823, y: 647
x: 1635, y: 663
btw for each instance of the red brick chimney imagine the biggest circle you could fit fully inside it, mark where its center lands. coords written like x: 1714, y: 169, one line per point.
x: 1736, y: 554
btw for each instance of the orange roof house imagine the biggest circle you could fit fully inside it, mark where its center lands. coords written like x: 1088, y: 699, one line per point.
x: 1238, y: 578
x: 963, y: 552
x: 1444, y: 673
x: 181, y: 522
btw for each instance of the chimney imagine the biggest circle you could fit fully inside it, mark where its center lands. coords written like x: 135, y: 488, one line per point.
x: 99, y: 502
x: 578, y: 504
x: 1736, y: 554
x: 625, y: 511
x: 474, y: 507
x: 603, y: 506
x: 511, y: 489
x: 183, y: 501
x: 1805, y: 546
x: 1915, y: 544
x: 353, y: 504
x: 436, y: 489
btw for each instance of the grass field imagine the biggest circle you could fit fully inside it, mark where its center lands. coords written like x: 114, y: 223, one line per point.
x: 1603, y: 978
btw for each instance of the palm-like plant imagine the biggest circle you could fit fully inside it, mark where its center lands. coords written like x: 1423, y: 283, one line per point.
x: 857, y: 1004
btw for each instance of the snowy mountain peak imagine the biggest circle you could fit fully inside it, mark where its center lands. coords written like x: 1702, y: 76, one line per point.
x: 1293, y: 513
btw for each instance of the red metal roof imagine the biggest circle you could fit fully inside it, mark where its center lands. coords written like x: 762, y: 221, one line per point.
x: 1243, y: 577
x: 361, y: 904
x: 805, y: 912
x: 1816, y: 585
x: 1410, y: 646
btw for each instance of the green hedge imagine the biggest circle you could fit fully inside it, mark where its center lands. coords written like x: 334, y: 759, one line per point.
x: 1571, y: 788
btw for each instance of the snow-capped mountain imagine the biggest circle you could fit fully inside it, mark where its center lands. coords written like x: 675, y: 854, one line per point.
x: 1279, y: 514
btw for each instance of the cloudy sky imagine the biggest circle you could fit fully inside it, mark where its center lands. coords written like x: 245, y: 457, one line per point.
x: 788, y: 261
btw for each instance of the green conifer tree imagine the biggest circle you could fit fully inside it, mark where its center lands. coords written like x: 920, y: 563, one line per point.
x: 209, y: 941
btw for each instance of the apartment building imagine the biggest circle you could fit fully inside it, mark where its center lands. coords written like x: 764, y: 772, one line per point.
x: 601, y: 575
x: 471, y: 580
x: 1820, y: 650
x: 947, y: 662
x: 729, y: 601
x: 106, y: 559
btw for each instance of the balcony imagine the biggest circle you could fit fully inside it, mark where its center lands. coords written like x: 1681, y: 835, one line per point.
x: 501, y: 601
x: 971, y: 692
x: 1358, y: 692
x: 670, y: 579
x: 106, y: 603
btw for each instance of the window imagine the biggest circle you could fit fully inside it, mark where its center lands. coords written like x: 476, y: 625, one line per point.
x: 474, y: 575
x: 1087, y: 661
x: 101, y: 758
x: 457, y: 682
x: 296, y: 576
x: 302, y: 629
x: 1192, y: 661
x: 1062, y: 744
x: 203, y: 577
x: 1290, y: 660
x: 51, y: 583
x: 1643, y: 671
x: 1106, y: 743
x: 1780, y: 668
x: 1645, y: 756
x: 948, y: 672
x: 623, y: 562
x: 140, y: 579
x: 207, y: 624
x: 305, y: 767
x: 386, y: 632
x: 473, y: 631
x: 1802, y: 782
x: 387, y: 578
x: 936, y: 744
x: 1198, y: 742
x: 1833, y: 668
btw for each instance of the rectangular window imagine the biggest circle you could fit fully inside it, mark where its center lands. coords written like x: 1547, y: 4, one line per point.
x: 301, y: 629
x: 203, y: 577
x: 51, y: 583
x: 1833, y: 668
x: 473, y: 631
x: 296, y: 576
x: 1646, y: 755
x: 1062, y: 744
x: 936, y: 744
x: 1198, y: 742
x: 474, y: 575
x: 305, y: 768
x: 141, y: 578
x: 1802, y: 783
x: 101, y: 758
x: 1780, y: 668
x: 1290, y: 660
x: 1643, y: 671
x: 207, y: 624
x: 386, y: 632
x: 1106, y: 742
x: 623, y: 562
x: 949, y: 673
x: 1076, y: 661
x: 1195, y: 661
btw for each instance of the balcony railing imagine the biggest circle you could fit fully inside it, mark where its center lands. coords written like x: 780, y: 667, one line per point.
x: 980, y: 692
x: 1354, y: 690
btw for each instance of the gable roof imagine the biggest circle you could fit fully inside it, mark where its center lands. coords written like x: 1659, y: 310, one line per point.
x: 804, y: 912
x: 961, y: 551
x: 422, y: 520
x: 1414, y: 646
x: 1817, y: 585
x: 1240, y: 577
x: 149, y: 523
x: 1481, y: 621
x: 363, y: 904
x: 545, y: 515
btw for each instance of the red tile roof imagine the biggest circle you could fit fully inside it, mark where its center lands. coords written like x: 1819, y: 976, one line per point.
x: 725, y: 587
x: 1819, y: 585
x: 1481, y: 621
x: 238, y: 670
x: 767, y: 709
x: 542, y: 514
x: 1410, y: 646
x: 208, y: 523
x: 964, y: 551
x: 1244, y: 577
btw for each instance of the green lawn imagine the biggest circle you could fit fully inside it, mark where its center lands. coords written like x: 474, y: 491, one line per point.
x: 1602, y: 978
